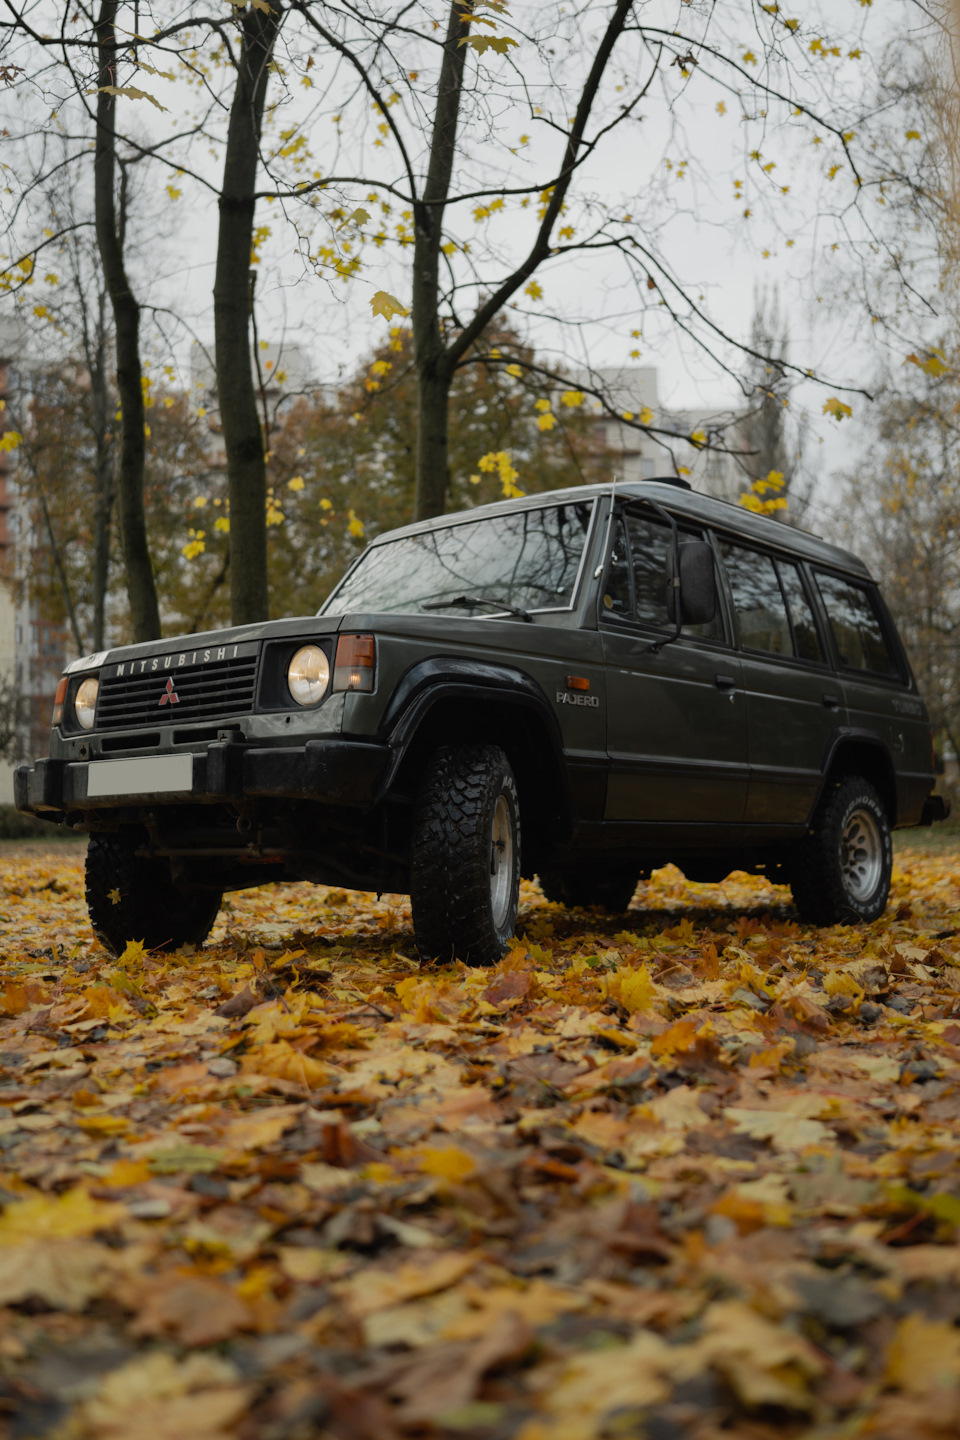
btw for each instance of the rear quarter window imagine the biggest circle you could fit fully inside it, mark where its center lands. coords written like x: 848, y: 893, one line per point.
x: 858, y: 630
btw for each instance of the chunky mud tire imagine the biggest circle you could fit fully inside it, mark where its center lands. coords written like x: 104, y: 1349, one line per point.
x: 465, y: 856
x: 611, y: 890
x: 150, y: 908
x: 840, y: 872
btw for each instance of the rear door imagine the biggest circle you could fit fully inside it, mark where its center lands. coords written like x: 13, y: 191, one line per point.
x: 876, y: 683
x: 676, y: 721
x: 794, y: 702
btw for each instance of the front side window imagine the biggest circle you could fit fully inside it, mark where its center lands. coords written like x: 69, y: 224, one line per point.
x: 529, y: 558
x: 758, y: 600
x: 855, y: 621
x: 640, y: 549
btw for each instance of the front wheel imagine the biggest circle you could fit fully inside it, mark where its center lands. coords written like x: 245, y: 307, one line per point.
x: 840, y: 873
x: 465, y: 856
x: 130, y: 897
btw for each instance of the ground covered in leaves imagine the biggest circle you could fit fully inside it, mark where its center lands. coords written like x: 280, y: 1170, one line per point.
x: 693, y: 1171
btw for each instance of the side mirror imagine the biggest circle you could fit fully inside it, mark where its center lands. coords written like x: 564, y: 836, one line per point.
x: 698, y: 586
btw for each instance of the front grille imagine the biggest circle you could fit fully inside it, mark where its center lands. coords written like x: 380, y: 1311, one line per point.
x: 207, y: 692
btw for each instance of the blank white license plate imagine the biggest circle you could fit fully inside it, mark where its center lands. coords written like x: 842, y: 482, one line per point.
x: 156, y: 774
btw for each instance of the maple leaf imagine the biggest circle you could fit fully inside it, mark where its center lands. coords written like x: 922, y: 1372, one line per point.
x: 359, y: 217
x: 65, y: 1216
x: 836, y: 408
x: 130, y: 92
x: 482, y: 43
x: 387, y: 305
x: 114, y: 897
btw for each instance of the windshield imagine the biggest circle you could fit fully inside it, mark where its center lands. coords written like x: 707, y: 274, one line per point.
x: 530, y: 559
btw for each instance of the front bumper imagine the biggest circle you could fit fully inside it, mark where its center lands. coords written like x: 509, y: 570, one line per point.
x: 331, y: 772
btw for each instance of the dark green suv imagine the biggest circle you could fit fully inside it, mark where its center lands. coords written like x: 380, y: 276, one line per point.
x: 580, y: 686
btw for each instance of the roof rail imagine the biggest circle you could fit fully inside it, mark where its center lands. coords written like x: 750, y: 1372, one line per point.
x: 665, y: 480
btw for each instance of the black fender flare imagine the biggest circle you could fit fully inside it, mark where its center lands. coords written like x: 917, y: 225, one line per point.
x: 453, y: 677
x: 844, y: 734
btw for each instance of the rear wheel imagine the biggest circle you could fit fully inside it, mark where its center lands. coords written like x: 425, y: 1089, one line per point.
x: 611, y: 889
x: 130, y: 897
x: 465, y: 856
x: 840, y: 873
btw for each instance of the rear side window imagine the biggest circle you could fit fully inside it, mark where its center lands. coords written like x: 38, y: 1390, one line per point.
x: 806, y: 641
x: 856, y: 625
x: 636, y: 580
x: 758, y: 600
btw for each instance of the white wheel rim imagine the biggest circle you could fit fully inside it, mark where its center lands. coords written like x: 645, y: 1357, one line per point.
x: 501, y: 862
x: 861, y: 855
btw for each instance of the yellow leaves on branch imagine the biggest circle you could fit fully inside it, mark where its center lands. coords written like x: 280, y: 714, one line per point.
x: 499, y: 461
x: 762, y: 497
x: 837, y: 408
x: 546, y: 419
x: 934, y: 365
x: 387, y: 305
x: 130, y: 92
x: 10, y: 440
x: 260, y: 234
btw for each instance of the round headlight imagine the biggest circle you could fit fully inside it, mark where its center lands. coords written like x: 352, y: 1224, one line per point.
x: 85, y: 702
x: 308, y: 675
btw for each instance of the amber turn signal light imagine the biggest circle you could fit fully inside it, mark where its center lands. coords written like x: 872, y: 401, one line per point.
x: 61, y: 695
x: 577, y: 682
x: 353, y: 667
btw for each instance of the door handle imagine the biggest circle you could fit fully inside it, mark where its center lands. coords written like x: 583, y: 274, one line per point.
x: 724, y: 682
x: 832, y: 702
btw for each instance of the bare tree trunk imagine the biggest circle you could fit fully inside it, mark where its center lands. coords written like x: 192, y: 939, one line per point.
x: 103, y: 503
x: 232, y: 298
x: 436, y: 355
x: 61, y: 574
x: 141, y: 590
x: 433, y: 467
x: 434, y: 371
x: 103, y: 472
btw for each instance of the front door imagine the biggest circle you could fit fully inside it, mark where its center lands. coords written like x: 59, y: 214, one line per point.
x: 794, y: 701
x: 676, y: 720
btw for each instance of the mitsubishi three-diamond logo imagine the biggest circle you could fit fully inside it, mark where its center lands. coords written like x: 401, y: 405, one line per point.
x: 169, y: 696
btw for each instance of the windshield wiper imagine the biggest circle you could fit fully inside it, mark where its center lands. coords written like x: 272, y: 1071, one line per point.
x: 476, y: 602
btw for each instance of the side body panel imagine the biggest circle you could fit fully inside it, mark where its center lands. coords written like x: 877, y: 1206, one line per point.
x: 792, y: 725
x: 677, y: 741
